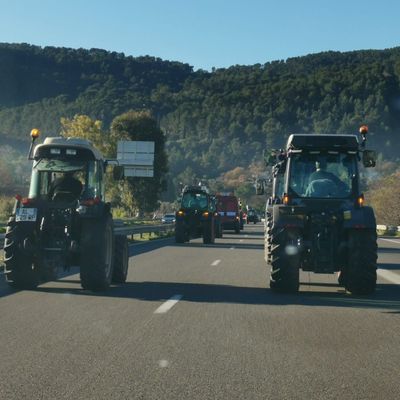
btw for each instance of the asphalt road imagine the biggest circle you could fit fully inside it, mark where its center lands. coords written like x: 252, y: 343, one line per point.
x: 199, y: 322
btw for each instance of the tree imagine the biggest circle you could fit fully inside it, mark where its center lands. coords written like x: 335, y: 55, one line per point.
x: 383, y: 196
x: 84, y: 127
x: 141, y: 126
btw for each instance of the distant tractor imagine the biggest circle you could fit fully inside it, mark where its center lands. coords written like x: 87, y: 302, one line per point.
x: 65, y: 220
x: 197, y: 216
x: 316, y: 219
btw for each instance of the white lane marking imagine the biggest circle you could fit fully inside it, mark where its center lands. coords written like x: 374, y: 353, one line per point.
x: 215, y: 263
x: 389, y: 276
x: 165, y: 307
x: 163, y: 363
x: 393, y: 241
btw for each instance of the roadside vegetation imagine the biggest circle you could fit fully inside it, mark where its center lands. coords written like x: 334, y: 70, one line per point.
x: 214, y: 126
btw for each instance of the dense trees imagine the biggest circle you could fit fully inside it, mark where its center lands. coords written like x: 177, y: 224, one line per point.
x: 214, y: 121
x: 384, y: 196
x: 141, y: 126
x: 133, y: 194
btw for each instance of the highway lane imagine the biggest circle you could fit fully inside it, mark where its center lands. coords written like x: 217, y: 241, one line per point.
x: 199, y: 322
x: 389, y: 259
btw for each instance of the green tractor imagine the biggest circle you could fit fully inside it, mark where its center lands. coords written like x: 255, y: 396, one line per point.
x: 197, y: 216
x: 65, y: 220
x: 316, y: 219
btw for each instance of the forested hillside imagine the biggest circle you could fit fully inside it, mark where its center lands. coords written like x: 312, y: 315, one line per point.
x: 214, y: 121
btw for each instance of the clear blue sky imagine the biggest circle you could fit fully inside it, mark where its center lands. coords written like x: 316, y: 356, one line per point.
x: 204, y: 33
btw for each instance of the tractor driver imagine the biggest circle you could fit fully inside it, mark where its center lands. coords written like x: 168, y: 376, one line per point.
x: 321, y: 173
x: 324, y: 183
x: 67, y: 186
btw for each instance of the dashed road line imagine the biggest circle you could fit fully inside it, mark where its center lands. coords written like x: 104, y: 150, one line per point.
x: 389, y: 276
x: 163, y: 363
x: 215, y: 263
x: 165, y: 307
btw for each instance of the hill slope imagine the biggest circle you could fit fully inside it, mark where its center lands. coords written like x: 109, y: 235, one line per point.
x: 214, y: 121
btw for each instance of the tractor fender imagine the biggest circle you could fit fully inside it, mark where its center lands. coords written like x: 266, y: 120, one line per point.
x: 362, y: 217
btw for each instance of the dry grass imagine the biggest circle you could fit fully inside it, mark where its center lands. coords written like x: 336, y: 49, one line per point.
x: 6, y: 207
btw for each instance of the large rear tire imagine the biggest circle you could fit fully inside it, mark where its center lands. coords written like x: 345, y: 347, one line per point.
x: 285, y: 261
x: 96, y: 261
x: 21, y: 271
x: 267, y: 240
x: 121, y: 259
x: 220, y: 231
x: 180, y: 235
x: 208, y: 232
x: 359, y: 276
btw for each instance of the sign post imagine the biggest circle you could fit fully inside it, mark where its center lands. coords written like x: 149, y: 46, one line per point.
x: 137, y: 158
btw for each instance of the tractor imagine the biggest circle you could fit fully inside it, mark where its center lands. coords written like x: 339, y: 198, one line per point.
x: 65, y: 220
x: 197, y: 216
x: 316, y: 219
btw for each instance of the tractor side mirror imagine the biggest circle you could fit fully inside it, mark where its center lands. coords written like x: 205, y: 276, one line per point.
x: 118, y: 173
x: 260, y: 187
x: 270, y: 159
x: 369, y: 158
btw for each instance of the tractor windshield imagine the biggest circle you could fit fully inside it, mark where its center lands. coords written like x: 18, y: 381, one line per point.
x: 197, y: 201
x: 59, y: 165
x: 322, y: 175
x: 66, y: 180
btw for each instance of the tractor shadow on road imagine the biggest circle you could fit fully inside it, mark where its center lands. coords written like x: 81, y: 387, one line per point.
x: 386, y: 296
x: 138, y: 249
x: 391, y: 250
x: 242, y: 237
x: 390, y: 266
x: 224, y: 245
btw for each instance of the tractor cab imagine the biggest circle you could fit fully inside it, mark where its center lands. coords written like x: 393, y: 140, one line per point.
x: 317, y: 211
x: 66, y: 170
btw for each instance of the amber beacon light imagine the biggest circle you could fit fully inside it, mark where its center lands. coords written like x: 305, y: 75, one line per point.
x: 35, y: 133
x: 363, y: 129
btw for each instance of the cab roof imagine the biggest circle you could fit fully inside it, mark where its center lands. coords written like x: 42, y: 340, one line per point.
x: 197, y: 189
x: 320, y: 142
x: 70, y: 143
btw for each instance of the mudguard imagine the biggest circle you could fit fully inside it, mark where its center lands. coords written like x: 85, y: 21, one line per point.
x: 359, y: 218
x: 288, y: 216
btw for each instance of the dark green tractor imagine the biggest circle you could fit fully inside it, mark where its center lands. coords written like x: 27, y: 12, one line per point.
x: 65, y: 220
x: 197, y: 216
x: 316, y: 219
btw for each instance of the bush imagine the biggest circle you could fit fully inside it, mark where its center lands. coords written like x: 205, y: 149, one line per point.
x: 383, y: 196
x: 6, y: 207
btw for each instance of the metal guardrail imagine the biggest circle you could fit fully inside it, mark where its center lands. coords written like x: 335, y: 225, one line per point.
x: 132, y: 230
x: 391, y: 229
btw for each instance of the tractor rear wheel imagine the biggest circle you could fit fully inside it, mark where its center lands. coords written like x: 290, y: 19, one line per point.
x: 21, y: 271
x: 208, y: 232
x: 121, y: 259
x: 359, y: 275
x: 180, y: 235
x: 285, y: 260
x: 96, y: 261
